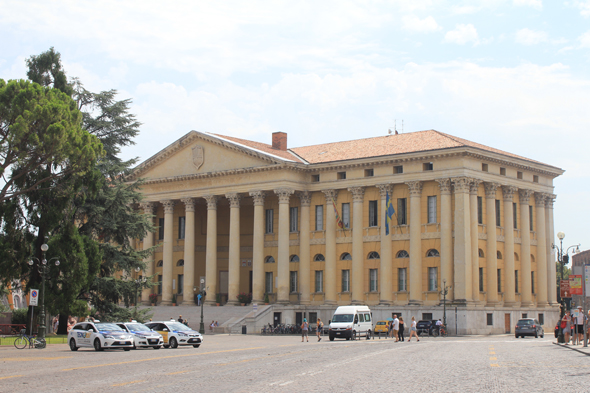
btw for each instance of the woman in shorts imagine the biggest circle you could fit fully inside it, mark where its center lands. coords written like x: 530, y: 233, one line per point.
x: 304, y: 330
x: 413, y: 330
x: 566, y: 330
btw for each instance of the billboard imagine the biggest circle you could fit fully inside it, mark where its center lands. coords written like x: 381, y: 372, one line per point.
x: 587, y: 279
x: 564, y: 288
x: 576, y: 284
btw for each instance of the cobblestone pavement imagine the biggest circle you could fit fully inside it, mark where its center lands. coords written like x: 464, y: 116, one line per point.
x: 239, y: 363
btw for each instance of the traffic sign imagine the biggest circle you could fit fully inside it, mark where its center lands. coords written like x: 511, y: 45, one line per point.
x: 34, y: 297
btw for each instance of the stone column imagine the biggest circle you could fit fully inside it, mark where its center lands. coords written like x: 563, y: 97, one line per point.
x: 551, y: 267
x: 415, y: 242
x: 283, y: 251
x: 258, y: 247
x: 385, y: 267
x: 462, y: 249
x: 330, y: 273
x: 304, y: 249
x: 189, y: 252
x: 446, y: 235
x: 211, y: 249
x: 491, y: 246
x: 148, y: 242
x: 525, y: 247
x: 358, y: 194
x: 167, y: 261
x: 473, y: 187
x: 234, y: 248
x: 541, y: 250
x: 510, y: 284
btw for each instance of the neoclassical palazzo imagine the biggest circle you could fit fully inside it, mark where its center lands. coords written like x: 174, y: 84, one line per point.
x: 308, y: 225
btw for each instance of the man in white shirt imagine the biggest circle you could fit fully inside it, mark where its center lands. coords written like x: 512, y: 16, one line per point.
x: 438, y: 325
x: 580, y: 325
x: 395, y: 327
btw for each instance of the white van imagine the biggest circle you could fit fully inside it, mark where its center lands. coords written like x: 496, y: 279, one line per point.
x: 350, y: 322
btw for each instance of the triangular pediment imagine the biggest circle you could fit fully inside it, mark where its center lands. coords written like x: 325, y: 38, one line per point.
x: 200, y: 153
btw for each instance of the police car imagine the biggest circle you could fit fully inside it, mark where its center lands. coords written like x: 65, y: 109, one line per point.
x: 176, y: 333
x: 100, y: 335
x: 143, y: 335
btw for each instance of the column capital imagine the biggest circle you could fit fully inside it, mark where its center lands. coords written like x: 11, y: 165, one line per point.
x: 508, y: 192
x: 284, y: 194
x: 168, y: 206
x: 358, y: 193
x: 415, y: 187
x: 384, y: 189
x: 525, y: 195
x: 444, y: 185
x: 258, y: 197
x: 331, y: 195
x: 189, y: 204
x: 211, y: 201
x: 491, y: 189
x: 461, y: 184
x: 148, y: 207
x: 304, y: 197
x: 550, y: 200
x: 540, y: 199
x: 474, y: 186
x: 234, y: 199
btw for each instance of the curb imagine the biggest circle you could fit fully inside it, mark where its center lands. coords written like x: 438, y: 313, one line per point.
x: 572, y: 348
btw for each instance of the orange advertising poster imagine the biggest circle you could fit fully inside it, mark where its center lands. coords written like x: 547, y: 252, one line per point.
x: 576, y: 285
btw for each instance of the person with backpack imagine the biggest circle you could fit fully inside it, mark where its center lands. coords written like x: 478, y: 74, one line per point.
x: 320, y: 328
x: 304, y: 330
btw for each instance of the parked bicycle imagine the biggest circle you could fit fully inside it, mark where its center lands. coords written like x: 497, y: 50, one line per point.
x: 23, y: 339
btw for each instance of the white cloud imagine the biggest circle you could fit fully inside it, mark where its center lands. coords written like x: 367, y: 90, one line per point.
x: 537, y: 4
x: 417, y: 25
x: 585, y: 40
x: 583, y: 6
x: 530, y: 37
x: 462, y: 35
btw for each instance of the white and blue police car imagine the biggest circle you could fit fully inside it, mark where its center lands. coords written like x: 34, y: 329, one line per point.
x: 143, y: 335
x: 100, y: 335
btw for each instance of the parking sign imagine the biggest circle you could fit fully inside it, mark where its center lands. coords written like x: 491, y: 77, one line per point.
x: 34, y: 298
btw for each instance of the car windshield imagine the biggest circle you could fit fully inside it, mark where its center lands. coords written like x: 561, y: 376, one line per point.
x: 342, y: 318
x: 138, y: 327
x: 177, y: 326
x: 525, y: 322
x: 108, y: 327
x: 381, y: 323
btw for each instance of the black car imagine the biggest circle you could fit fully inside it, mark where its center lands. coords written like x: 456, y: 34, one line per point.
x: 528, y: 327
x: 426, y: 326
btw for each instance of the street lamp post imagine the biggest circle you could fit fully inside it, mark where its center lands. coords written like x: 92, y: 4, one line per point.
x: 445, y: 292
x: 42, y: 268
x: 203, y: 294
x: 563, y: 259
x: 138, y: 282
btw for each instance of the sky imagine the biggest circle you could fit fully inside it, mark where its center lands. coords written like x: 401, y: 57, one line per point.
x: 511, y: 74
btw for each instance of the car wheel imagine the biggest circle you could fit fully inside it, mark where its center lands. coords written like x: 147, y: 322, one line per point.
x: 516, y: 336
x: 97, y: 346
x: 173, y: 343
x: 353, y: 336
x: 536, y: 335
x: 331, y: 338
x: 127, y: 349
x: 157, y: 347
x: 368, y: 334
x: 166, y: 346
x: 73, y: 346
x: 196, y: 345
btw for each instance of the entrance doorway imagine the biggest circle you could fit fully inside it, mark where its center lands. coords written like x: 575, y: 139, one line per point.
x: 298, y: 318
x: 277, y: 319
x: 507, y: 323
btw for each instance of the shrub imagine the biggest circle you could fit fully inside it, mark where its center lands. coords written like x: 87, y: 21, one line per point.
x: 19, y: 316
x: 244, y: 297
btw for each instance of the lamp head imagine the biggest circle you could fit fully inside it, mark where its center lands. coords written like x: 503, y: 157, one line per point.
x: 57, y: 263
x: 31, y: 262
x: 44, y: 247
x: 138, y: 269
x: 560, y: 235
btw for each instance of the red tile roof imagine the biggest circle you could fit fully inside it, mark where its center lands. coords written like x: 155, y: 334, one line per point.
x: 262, y: 147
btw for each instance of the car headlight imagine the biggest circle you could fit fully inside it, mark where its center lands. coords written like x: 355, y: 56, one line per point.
x: 108, y: 336
x: 182, y: 335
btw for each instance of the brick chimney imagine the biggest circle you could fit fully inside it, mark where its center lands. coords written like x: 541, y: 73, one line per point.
x: 279, y: 140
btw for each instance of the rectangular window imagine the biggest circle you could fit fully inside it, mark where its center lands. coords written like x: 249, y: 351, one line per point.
x: 181, y: 227
x: 269, y: 220
x: 373, y: 221
x: 426, y: 316
x: 480, y: 210
x: 484, y: 167
x: 159, y: 284
x: 346, y: 215
x: 293, y: 282
x: 490, y: 319
x: 402, y: 279
x: 516, y: 281
x: 533, y: 282
x: 531, y: 217
x: 432, y: 279
x: 398, y: 169
x: 369, y: 172
x: 345, y: 280
x: 180, y: 283
x: 519, y: 175
x: 503, y: 171
x: 515, y: 215
x: 499, y: 280
x: 315, y: 178
x: 428, y: 166
x: 293, y: 219
x: 481, y: 279
x: 319, y: 217
x: 498, y: 215
x: 535, y: 179
x: 432, y: 209
x: 541, y: 319
x: 341, y: 175
x: 160, y: 229
x: 319, y: 281
x: 402, y: 217
x: 313, y: 317
x: 268, y: 282
x: 373, y: 276
x: 525, y: 315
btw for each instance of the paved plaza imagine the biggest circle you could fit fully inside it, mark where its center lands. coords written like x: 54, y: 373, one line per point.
x: 240, y: 363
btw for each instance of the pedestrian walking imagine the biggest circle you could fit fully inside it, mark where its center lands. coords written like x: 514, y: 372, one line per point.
x: 320, y: 328
x: 413, y: 330
x: 304, y: 330
x: 401, y: 329
x: 565, y: 325
x: 395, y: 327
x: 390, y: 329
x: 199, y: 296
x: 579, y: 325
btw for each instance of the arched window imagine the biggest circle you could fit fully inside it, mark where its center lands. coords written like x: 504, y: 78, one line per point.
x: 345, y: 257
x: 269, y: 259
x: 532, y: 258
x: 481, y: 254
x: 498, y: 255
x: 180, y: 263
x: 373, y: 255
x: 293, y: 258
x: 160, y: 264
x: 16, y: 300
x: 319, y: 258
x: 402, y: 254
x: 516, y: 257
x: 433, y: 253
